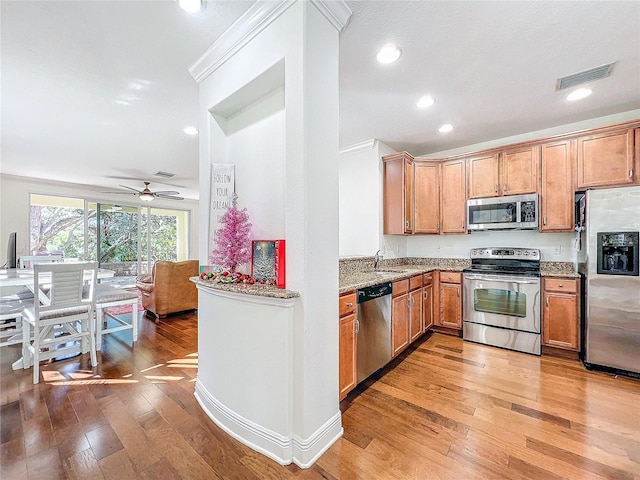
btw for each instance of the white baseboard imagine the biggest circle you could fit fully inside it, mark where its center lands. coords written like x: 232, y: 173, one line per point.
x: 283, y: 449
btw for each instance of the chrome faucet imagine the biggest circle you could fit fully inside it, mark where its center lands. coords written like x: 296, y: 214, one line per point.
x: 376, y: 260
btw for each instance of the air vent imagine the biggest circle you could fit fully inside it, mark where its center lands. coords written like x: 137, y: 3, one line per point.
x: 583, y: 77
x: 164, y: 174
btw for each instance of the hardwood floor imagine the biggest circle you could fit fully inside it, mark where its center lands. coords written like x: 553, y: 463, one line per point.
x: 444, y: 410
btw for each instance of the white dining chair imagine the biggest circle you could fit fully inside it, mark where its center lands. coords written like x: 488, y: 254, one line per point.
x: 27, y: 261
x: 62, y: 321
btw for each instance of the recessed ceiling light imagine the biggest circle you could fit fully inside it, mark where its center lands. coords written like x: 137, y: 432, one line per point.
x: 190, y: 130
x: 579, y: 94
x: 425, y: 102
x: 190, y: 6
x: 446, y: 128
x: 388, y: 54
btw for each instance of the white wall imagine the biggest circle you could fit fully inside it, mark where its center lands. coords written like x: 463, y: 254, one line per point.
x: 14, y: 207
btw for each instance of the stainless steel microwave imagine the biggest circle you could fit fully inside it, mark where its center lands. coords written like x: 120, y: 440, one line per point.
x: 512, y: 212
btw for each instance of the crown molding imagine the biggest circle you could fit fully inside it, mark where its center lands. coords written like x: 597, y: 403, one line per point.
x: 359, y: 147
x: 337, y: 12
x: 258, y: 17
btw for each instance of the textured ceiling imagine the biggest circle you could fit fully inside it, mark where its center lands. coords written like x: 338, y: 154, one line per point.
x: 98, y: 92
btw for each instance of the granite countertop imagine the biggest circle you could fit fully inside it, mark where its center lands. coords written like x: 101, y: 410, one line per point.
x: 558, y: 269
x: 354, y: 280
x: 257, y: 290
x: 392, y: 273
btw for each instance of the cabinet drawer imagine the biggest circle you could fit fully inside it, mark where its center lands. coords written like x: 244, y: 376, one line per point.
x: 427, y: 279
x: 567, y: 285
x: 451, y: 277
x: 347, y: 304
x: 415, y: 282
x: 400, y: 287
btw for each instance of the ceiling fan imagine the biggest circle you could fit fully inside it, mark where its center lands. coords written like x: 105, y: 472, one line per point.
x: 147, y: 195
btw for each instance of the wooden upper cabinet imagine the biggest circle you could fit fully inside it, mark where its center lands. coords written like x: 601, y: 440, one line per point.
x: 398, y: 184
x: 519, y: 170
x: 511, y: 172
x: 427, y: 197
x: 557, y: 191
x: 453, y: 201
x: 483, y: 173
x: 606, y: 159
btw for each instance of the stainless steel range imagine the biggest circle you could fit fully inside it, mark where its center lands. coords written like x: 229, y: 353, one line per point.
x: 502, y: 298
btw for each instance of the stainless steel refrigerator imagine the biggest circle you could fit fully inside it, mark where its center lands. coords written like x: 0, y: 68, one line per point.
x: 609, y: 261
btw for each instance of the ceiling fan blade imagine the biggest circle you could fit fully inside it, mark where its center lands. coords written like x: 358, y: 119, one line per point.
x: 121, y: 192
x: 130, y: 188
x: 169, y: 197
x: 166, y: 192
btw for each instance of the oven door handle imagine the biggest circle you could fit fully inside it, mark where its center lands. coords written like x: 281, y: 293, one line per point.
x: 502, y: 278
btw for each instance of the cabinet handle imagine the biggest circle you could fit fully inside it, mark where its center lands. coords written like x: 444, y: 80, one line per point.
x: 560, y: 285
x: 349, y: 304
x: 426, y: 295
x: 357, y: 326
x: 631, y: 173
x: 547, y: 301
x: 406, y: 224
x: 495, y: 188
x: 458, y: 291
x: 544, y: 220
x: 504, y: 187
x: 437, y: 225
x: 462, y: 224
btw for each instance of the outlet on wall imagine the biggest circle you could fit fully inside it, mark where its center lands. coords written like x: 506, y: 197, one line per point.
x: 556, y: 250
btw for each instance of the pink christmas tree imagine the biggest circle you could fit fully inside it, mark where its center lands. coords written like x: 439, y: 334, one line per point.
x: 233, y: 245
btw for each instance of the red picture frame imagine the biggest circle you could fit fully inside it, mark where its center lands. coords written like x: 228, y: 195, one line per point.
x: 268, y: 262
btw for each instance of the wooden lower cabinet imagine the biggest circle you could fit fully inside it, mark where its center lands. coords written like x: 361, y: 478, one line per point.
x: 450, y: 296
x: 348, y: 344
x: 561, y: 313
x: 406, y: 313
x: 415, y: 314
x: 427, y: 302
x: 400, y: 323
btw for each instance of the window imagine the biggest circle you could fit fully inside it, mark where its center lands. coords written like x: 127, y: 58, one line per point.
x: 123, y: 238
x: 56, y: 225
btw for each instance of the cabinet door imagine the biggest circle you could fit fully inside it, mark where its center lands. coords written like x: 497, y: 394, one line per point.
x: 427, y: 197
x: 519, y: 171
x: 605, y: 159
x: 427, y: 307
x: 483, y: 173
x: 450, y: 305
x: 453, y: 203
x: 560, y: 321
x: 408, y: 197
x: 415, y: 314
x: 556, y: 195
x: 347, y: 354
x: 397, y: 192
x: 400, y: 323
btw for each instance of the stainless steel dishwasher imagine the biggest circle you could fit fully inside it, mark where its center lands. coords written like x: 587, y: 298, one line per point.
x: 374, y: 329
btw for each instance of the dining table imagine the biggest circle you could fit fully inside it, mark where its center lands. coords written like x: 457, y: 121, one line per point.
x: 24, y: 277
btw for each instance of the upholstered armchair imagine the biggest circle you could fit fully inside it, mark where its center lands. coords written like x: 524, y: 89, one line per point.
x: 168, y: 289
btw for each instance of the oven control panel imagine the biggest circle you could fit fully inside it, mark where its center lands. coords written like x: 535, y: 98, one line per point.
x: 506, y: 253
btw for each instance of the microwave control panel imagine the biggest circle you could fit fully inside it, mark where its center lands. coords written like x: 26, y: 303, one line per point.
x: 528, y: 211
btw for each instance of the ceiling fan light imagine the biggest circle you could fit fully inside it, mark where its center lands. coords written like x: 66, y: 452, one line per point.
x: 146, y: 197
